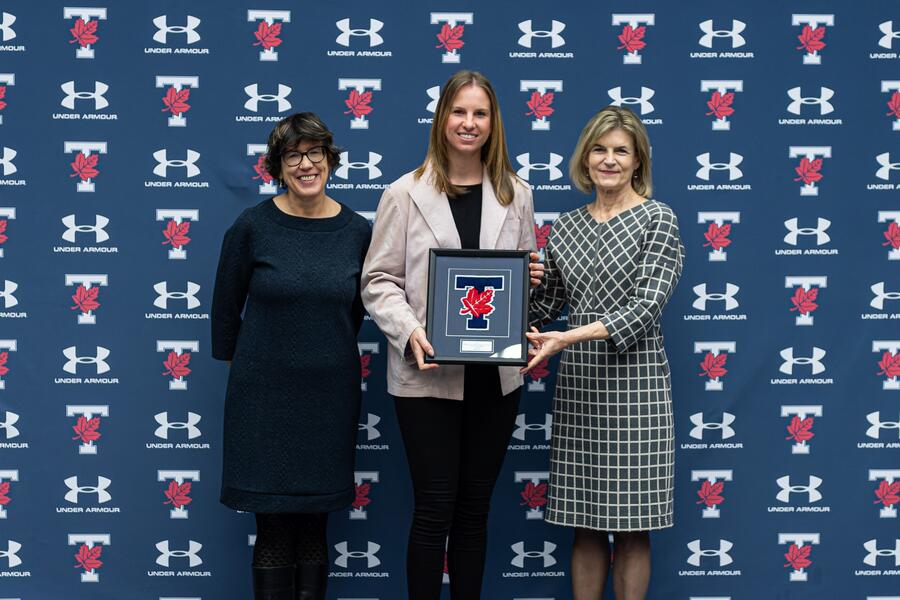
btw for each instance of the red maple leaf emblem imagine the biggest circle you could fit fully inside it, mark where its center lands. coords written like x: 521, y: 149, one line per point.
x: 798, y: 558
x: 358, y: 103
x: 632, y: 39
x: 260, y: 168
x: 809, y: 170
x: 893, y: 235
x: 811, y: 39
x: 2, y: 95
x: 888, y: 493
x: 86, y: 429
x: 3, y: 237
x: 86, y: 299
x: 4, y: 491
x: 450, y: 38
x: 267, y: 35
x: 717, y: 237
x: 84, y: 32
x: 711, y: 493
x: 89, y: 558
x: 800, y: 429
x: 893, y: 104
x: 176, y: 101
x: 176, y: 233
x: 364, y: 360
x: 362, y: 495
x: 720, y: 106
x: 540, y: 370
x: 178, y: 495
x: 541, y: 234
x: 533, y: 496
x: 540, y: 105
x: 713, y: 365
x: 3, y: 368
x: 889, y: 363
x: 85, y: 167
x: 176, y: 365
x: 477, y: 304
x: 805, y: 300
x: 446, y: 564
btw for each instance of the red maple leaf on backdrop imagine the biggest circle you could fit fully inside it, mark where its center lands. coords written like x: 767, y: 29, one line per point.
x: 260, y: 168
x: 364, y: 360
x: 540, y: 370
x: 176, y: 101
x: 800, y: 429
x: 477, y: 303
x: 719, y: 105
x: 893, y: 235
x: 540, y: 105
x: 4, y: 490
x: 711, y: 493
x: 890, y: 365
x: 176, y: 233
x: 178, y: 495
x: 534, y: 495
x: 267, y: 35
x: 809, y: 170
x: 893, y: 104
x: 362, y: 495
x: 2, y: 95
x: 811, y: 39
x: 84, y: 32
x: 3, y: 237
x: 85, y: 299
x: 717, y: 237
x: 888, y: 493
x: 798, y: 558
x: 3, y: 368
x: 450, y: 38
x: 632, y: 39
x: 805, y: 300
x: 713, y: 365
x: 85, y: 167
x: 541, y: 234
x: 176, y: 365
x: 358, y: 103
x: 86, y: 429
x: 89, y: 558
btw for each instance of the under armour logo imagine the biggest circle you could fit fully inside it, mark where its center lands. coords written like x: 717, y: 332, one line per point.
x: 97, y: 95
x: 884, y: 171
x: 6, y: 161
x: 797, y: 99
x: 165, y: 425
x: 8, y: 425
x: 721, y: 553
x: 737, y: 27
x: 877, y: 425
x: 163, y: 29
x: 881, y: 296
x: 644, y: 100
x: 546, y: 555
x: 871, y: 558
x: 371, y: 550
x: 252, y: 91
x: 731, y: 166
x: 811, y: 489
x: 343, y: 171
x: 164, y: 295
x: 552, y: 167
x: 887, y: 28
x: 191, y: 553
x: 528, y: 34
x: 819, y: 230
x: 522, y: 426
x: 7, y: 293
x: 6, y: 31
x: 369, y: 427
x: 700, y: 425
x: 728, y: 297
x: 12, y: 560
x: 100, y: 222
x: 99, y: 359
x: 163, y: 163
x: 103, y: 484
x: 815, y: 360
x: 434, y: 93
x: 347, y: 32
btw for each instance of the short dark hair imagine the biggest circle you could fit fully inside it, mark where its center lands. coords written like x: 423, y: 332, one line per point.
x: 292, y: 130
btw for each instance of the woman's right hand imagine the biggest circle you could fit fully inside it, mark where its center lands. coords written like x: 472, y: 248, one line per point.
x: 420, y: 346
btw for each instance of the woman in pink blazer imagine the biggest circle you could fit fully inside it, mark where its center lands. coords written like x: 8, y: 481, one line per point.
x: 455, y: 420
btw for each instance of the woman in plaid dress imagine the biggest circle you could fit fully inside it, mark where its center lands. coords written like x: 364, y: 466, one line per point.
x: 615, y: 262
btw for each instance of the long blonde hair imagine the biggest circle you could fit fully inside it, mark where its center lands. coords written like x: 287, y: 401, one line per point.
x: 494, y: 154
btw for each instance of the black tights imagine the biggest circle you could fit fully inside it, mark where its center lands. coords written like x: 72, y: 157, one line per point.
x: 285, y: 540
x: 455, y: 451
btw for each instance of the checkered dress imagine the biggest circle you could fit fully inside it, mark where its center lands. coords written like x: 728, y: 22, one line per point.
x: 612, y: 456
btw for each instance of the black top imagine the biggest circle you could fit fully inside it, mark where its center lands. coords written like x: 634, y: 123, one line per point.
x: 466, y: 209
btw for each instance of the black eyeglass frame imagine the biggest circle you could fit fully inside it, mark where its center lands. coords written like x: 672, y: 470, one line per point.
x: 306, y: 154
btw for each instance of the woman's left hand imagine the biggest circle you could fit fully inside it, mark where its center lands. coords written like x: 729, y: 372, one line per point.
x: 543, y: 345
x: 535, y: 269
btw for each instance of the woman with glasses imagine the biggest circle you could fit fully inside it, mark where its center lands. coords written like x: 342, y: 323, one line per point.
x: 286, y: 311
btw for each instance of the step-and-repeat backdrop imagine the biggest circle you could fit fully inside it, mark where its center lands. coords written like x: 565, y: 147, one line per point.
x: 132, y: 134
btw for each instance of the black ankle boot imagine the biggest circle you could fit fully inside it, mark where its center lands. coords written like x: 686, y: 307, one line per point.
x: 273, y: 583
x: 312, y: 579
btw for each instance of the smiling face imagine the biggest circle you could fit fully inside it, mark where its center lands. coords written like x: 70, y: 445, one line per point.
x: 612, y: 161
x: 306, y: 180
x: 469, y: 122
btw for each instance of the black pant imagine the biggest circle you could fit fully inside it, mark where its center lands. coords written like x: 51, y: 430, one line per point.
x: 455, y: 451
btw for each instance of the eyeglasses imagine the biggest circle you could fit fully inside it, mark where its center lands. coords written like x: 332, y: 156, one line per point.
x: 315, y: 155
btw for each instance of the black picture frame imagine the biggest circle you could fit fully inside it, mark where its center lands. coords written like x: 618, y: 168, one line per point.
x: 457, y: 330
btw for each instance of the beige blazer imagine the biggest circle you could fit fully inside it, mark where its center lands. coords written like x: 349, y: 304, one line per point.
x: 413, y: 217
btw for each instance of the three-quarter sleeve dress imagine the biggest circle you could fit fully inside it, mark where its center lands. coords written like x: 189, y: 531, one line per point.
x: 612, y: 448
x: 286, y: 311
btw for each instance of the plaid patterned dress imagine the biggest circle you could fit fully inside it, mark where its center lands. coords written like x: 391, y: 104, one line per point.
x: 612, y: 453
